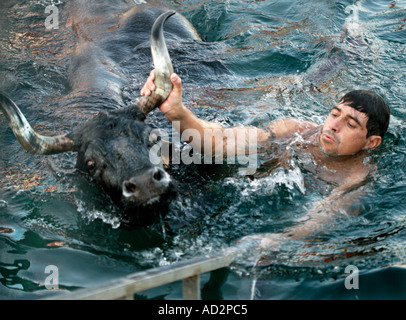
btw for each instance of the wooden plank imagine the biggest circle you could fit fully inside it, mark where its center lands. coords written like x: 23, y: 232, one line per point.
x: 125, y: 287
x: 191, y: 288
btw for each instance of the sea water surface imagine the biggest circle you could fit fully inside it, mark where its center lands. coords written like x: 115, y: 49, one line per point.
x: 268, y: 59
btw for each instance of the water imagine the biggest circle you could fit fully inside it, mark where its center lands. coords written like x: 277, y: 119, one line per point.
x: 263, y: 60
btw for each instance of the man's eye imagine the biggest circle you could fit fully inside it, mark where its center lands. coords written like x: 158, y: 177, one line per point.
x: 351, y: 125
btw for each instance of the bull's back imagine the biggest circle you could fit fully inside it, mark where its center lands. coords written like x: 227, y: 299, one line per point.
x: 107, y: 35
x: 142, y: 17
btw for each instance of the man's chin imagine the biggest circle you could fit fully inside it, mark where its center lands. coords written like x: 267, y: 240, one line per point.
x: 331, y: 152
x: 334, y: 153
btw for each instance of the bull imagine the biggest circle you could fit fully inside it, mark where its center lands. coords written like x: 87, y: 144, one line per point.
x: 113, y: 146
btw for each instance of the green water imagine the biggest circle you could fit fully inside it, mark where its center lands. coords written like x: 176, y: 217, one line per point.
x: 263, y: 60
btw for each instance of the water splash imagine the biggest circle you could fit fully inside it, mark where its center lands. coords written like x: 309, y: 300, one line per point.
x: 46, y: 3
x: 109, y: 218
x: 352, y: 22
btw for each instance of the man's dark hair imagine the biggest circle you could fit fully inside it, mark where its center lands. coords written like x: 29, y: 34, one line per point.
x: 374, y: 106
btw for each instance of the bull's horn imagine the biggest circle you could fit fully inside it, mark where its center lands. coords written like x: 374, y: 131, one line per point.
x: 163, y: 66
x: 25, y: 134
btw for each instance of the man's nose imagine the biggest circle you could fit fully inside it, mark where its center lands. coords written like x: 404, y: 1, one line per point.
x: 336, y: 124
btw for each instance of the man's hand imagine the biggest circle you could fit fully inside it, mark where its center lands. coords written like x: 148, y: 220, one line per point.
x: 172, y: 107
x: 149, y: 85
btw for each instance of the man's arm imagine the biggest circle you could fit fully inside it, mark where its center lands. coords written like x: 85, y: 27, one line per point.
x: 236, y: 140
x: 213, y: 136
x: 285, y: 127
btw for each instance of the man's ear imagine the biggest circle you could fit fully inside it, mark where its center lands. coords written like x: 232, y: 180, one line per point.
x: 373, y: 142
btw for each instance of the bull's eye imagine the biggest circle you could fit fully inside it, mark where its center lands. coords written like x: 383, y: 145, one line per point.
x: 154, y: 137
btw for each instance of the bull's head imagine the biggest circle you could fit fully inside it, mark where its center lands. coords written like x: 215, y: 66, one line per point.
x: 113, y: 147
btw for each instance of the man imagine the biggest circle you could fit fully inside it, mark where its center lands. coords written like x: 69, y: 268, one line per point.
x: 356, y: 125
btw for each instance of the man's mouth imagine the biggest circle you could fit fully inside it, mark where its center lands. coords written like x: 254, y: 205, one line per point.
x: 329, y: 138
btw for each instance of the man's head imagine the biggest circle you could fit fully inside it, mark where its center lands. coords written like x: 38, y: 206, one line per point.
x: 358, y: 122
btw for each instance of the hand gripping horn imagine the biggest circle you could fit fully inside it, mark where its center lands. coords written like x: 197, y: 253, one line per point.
x: 163, y: 66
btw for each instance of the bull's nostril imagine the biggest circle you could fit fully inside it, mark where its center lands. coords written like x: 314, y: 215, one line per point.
x: 130, y: 187
x: 158, y: 175
x: 146, y: 185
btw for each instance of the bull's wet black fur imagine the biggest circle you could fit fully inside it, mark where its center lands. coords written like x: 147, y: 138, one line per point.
x: 117, y: 145
x: 113, y: 146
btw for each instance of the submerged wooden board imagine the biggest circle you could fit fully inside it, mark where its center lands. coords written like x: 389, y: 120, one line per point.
x: 124, y: 288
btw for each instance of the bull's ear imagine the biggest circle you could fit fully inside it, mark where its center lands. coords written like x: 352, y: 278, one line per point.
x: 166, y: 151
x: 161, y: 147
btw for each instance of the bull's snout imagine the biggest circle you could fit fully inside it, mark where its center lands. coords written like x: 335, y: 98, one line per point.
x: 147, y: 187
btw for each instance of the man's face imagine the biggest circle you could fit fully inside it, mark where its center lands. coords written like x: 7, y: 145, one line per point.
x: 344, y: 131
